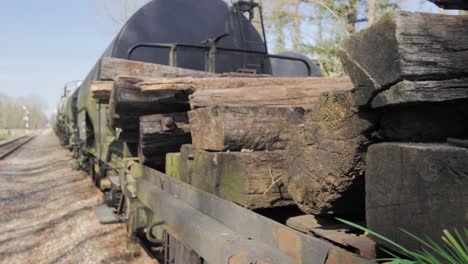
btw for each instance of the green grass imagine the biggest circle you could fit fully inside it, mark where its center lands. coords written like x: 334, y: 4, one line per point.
x: 7, y: 133
x: 452, y: 249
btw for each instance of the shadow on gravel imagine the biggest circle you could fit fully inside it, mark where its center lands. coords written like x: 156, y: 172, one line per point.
x: 55, y: 222
x: 60, y: 259
x: 36, y: 229
x: 28, y: 195
x: 123, y: 257
x: 33, y: 171
x: 46, y: 211
x: 23, y: 249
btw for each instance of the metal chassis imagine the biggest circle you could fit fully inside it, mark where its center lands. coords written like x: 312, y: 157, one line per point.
x: 223, y: 232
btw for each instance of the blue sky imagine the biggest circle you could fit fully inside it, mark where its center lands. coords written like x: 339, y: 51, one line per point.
x: 46, y: 43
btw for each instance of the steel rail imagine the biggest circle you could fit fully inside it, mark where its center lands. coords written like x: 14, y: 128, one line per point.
x: 10, y: 146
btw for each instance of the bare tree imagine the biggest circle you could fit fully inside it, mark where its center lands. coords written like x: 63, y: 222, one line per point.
x: 12, y: 113
x: 297, y: 26
x: 284, y: 20
x: 371, y: 11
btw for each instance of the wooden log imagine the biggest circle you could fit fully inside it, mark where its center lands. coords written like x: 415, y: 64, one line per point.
x: 237, y: 128
x: 302, y: 92
x: 417, y: 187
x: 229, y: 81
x: 337, y: 233
x: 133, y: 97
x: 101, y: 90
x: 128, y: 103
x: 251, y: 179
x: 451, y: 4
x: 112, y: 68
x: 409, y: 58
x: 325, y: 160
x: 161, y: 134
x: 434, y: 122
x: 422, y: 91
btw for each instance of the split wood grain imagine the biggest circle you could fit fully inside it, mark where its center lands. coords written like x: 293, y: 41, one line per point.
x: 409, y: 58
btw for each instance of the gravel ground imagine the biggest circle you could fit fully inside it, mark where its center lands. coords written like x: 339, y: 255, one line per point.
x: 46, y: 211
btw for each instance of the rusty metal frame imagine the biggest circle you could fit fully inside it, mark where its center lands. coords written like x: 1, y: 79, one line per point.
x: 221, y: 231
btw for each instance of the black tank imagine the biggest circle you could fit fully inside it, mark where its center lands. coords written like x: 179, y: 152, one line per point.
x: 148, y: 35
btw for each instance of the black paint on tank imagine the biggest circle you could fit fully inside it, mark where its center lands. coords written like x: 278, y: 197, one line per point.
x: 282, y: 67
x: 190, y: 22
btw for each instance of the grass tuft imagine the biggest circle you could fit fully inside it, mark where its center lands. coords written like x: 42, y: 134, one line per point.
x: 452, y: 250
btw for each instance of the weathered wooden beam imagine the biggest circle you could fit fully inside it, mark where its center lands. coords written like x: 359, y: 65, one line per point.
x: 250, y: 179
x: 451, y: 4
x: 409, y: 58
x: 101, y: 90
x: 161, y: 134
x: 325, y: 160
x: 133, y: 97
x: 336, y: 232
x: 164, y: 123
x: 242, y: 91
x: 229, y: 81
x: 237, y: 128
x: 422, y: 91
x: 128, y: 103
x: 409, y: 183
x: 280, y: 92
x: 433, y: 122
x: 112, y: 68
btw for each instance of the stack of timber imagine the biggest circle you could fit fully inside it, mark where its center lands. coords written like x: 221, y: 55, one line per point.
x: 261, y: 116
x: 240, y: 128
x: 411, y: 80
x: 127, y: 103
x: 116, y: 87
x: 410, y: 84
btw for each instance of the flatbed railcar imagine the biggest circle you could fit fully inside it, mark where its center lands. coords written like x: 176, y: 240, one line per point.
x: 190, y: 225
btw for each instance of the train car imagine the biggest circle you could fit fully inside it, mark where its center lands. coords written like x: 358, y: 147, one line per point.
x: 65, y: 123
x: 210, y: 152
x: 190, y: 226
x: 187, y: 44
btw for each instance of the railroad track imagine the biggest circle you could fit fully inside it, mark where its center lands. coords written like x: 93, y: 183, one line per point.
x: 9, y: 146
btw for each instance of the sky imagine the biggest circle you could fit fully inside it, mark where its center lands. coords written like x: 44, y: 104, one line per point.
x: 46, y: 43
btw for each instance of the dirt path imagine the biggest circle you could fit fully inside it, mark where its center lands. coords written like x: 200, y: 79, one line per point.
x: 46, y: 211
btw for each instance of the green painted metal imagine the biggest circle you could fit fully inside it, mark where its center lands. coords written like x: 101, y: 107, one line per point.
x: 104, y: 144
x: 212, y: 240
x: 151, y: 185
